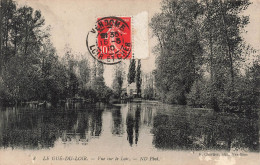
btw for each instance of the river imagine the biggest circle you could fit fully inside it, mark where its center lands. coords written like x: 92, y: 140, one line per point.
x: 130, y: 131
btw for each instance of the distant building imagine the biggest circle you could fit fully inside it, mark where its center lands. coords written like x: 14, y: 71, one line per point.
x: 131, y: 89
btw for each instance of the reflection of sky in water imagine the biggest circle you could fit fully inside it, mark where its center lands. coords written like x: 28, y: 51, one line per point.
x: 129, y: 128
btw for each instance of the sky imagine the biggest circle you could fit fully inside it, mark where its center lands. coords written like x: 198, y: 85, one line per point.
x: 70, y: 22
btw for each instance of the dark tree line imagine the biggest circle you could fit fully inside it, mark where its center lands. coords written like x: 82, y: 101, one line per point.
x: 27, y: 56
x: 31, y: 70
x: 200, y: 54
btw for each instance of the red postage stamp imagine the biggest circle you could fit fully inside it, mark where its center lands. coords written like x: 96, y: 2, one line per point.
x: 113, y: 39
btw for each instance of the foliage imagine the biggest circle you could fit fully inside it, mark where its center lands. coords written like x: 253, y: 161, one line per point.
x: 138, y: 79
x: 131, y: 72
x: 30, y: 67
x: 200, y: 52
x: 118, y: 80
x: 224, y: 47
x: 23, y: 54
x: 89, y: 94
x: 179, y: 50
x: 199, y: 94
x: 148, y: 93
x: 84, y: 72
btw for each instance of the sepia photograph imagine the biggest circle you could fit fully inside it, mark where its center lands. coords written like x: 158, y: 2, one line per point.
x: 129, y: 82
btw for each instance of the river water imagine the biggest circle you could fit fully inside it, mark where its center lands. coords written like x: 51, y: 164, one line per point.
x: 129, y: 131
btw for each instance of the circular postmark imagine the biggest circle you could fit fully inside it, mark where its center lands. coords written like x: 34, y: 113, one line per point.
x: 109, y: 41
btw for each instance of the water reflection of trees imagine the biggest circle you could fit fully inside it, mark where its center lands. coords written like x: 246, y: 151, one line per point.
x: 173, y: 129
x: 147, y: 115
x: 201, y: 131
x: 117, y: 126
x: 133, y: 123
x: 34, y: 130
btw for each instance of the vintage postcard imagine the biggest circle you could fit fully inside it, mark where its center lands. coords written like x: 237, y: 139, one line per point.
x: 99, y: 82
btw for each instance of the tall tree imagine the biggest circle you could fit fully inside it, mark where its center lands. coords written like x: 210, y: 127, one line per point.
x: 8, y: 9
x: 1, y: 20
x: 99, y: 82
x: 84, y: 71
x: 21, y: 53
x: 179, y: 50
x: 131, y: 72
x: 118, y: 79
x: 30, y: 67
x: 73, y: 81
x: 100, y: 69
x: 223, y: 45
x: 138, y: 78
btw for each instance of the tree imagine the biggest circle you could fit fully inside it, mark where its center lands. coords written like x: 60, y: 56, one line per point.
x: 197, y: 37
x: 99, y: 82
x: 8, y: 8
x: 1, y: 20
x: 30, y: 67
x: 138, y: 78
x: 224, y: 46
x: 100, y: 69
x: 131, y: 72
x: 84, y: 71
x: 21, y: 51
x: 179, y: 50
x: 118, y: 79
x: 72, y: 81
